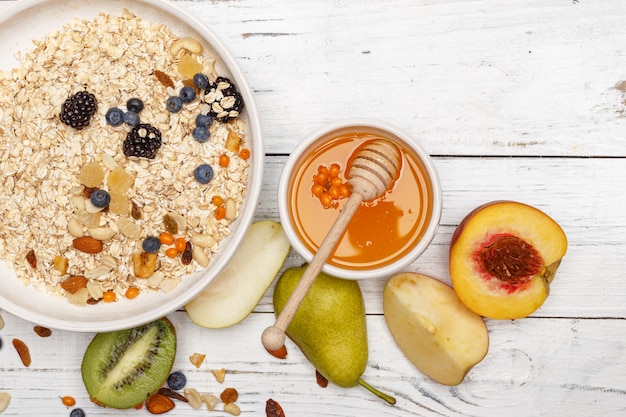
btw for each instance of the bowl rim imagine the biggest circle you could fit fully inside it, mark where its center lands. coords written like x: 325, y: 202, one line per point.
x: 393, y: 131
x: 167, y: 304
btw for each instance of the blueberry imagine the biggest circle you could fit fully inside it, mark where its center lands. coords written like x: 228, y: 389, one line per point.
x: 203, y: 120
x: 114, y: 116
x: 201, y: 81
x: 201, y: 134
x: 100, y: 198
x: 77, y: 412
x: 134, y: 104
x: 176, y: 380
x: 131, y: 118
x: 0, y: 343
x: 203, y: 173
x: 187, y: 94
x: 151, y: 244
x: 174, y: 104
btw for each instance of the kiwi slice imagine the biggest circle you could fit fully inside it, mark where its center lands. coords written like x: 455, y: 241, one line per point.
x: 121, y: 369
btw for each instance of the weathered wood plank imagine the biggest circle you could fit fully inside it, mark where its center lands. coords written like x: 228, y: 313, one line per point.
x: 534, y: 367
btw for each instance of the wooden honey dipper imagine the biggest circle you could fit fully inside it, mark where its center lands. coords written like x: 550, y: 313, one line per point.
x: 373, y: 170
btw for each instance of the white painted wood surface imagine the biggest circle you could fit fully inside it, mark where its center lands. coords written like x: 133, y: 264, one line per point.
x: 514, y: 99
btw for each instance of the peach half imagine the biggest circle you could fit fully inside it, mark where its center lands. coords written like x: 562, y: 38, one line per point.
x: 503, y: 257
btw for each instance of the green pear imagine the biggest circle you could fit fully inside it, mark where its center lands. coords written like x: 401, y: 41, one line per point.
x: 329, y: 327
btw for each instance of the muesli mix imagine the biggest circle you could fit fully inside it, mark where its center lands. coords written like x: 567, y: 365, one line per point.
x: 124, y: 159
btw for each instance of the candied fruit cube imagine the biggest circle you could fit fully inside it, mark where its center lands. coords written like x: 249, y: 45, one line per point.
x: 119, y: 204
x: 91, y: 175
x: 119, y: 181
x: 189, y: 66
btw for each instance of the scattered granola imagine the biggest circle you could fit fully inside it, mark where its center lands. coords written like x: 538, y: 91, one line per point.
x: 52, y: 170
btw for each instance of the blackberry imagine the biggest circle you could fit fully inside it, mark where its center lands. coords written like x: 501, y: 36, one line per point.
x: 78, y: 109
x: 144, y: 140
x: 224, y: 100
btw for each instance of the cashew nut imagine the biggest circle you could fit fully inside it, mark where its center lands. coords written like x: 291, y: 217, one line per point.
x: 183, y: 45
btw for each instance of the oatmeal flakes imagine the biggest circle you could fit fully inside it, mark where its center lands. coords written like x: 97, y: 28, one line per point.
x: 45, y: 205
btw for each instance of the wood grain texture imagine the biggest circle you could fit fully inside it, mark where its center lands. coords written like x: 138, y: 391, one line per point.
x: 515, y: 100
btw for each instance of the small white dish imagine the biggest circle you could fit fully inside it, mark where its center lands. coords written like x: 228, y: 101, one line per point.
x: 322, y: 137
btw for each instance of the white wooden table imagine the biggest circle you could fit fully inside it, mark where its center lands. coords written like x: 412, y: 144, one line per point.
x: 517, y: 99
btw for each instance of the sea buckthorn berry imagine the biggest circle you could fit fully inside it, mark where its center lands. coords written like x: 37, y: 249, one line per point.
x: 317, y: 190
x: 322, y: 178
x: 132, y: 292
x: 108, y: 296
x: 244, y: 153
x: 224, y: 160
x: 217, y: 200
x: 171, y: 252
x: 220, y: 212
x: 180, y: 244
x: 68, y: 400
x: 322, y: 168
x: 336, y: 181
x: 166, y: 238
x: 334, y: 170
x: 334, y: 192
x: 344, y: 190
x: 326, y: 200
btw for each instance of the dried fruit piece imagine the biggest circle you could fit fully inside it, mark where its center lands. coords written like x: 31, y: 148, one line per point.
x: 196, y: 359
x: 159, y: 404
x: 279, y: 353
x: 22, y: 351
x: 119, y: 181
x: 60, y: 264
x: 229, y: 395
x: 144, y: 264
x: 74, y: 283
x: 164, y: 79
x: 31, y: 258
x: 91, y: 175
x: 135, y: 210
x: 87, y: 244
x: 42, y: 331
x: 168, y: 392
x: 219, y: 374
x: 273, y: 409
x: 68, y: 400
x: 233, y: 141
x: 189, y: 66
x: 79, y: 298
x: 170, y: 224
x: 321, y: 379
x: 119, y: 204
x: 187, y: 255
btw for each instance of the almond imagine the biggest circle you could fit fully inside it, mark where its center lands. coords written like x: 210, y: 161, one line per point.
x: 159, y: 404
x: 87, y: 244
x: 74, y: 283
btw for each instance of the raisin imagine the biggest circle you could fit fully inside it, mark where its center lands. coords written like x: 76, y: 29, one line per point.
x: 22, y: 351
x: 164, y: 79
x: 168, y: 392
x: 229, y: 395
x: 321, y: 379
x: 42, y: 331
x: 31, y: 258
x: 273, y: 409
x: 187, y: 255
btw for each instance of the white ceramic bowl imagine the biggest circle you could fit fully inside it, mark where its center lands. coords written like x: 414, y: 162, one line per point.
x: 26, y: 20
x: 323, y: 136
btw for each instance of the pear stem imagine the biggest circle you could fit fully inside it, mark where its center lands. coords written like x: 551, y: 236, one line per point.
x: 391, y: 400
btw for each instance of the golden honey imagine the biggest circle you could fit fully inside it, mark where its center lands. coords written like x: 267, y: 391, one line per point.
x: 382, y: 230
